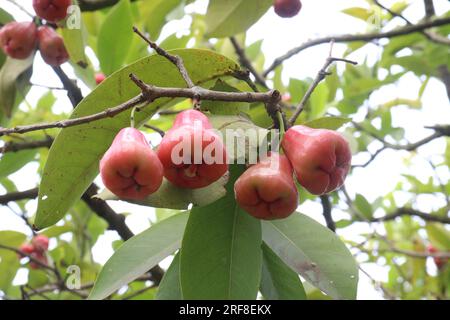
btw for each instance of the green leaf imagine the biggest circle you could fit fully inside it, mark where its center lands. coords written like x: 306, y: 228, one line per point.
x: 278, y: 281
x: 9, y: 262
x: 363, y: 206
x: 12, y: 161
x: 9, y: 74
x: 175, y: 42
x: 75, y: 43
x: 170, y: 196
x: 359, y: 13
x: 226, y: 18
x: 154, y: 14
x: 319, y: 99
x: 115, y: 37
x: 221, y: 255
x: 37, y: 278
x: 221, y: 107
x: 5, y: 17
x: 439, y: 236
x: 333, y: 82
x: 331, y: 123
x: 315, y: 252
x: 73, y: 159
x: 169, y: 288
x: 138, y: 255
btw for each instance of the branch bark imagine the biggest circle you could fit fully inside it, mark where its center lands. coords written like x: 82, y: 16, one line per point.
x: 412, y: 212
x: 18, y: 146
x: 319, y: 77
x: 93, y: 5
x: 358, y: 37
x: 326, y: 205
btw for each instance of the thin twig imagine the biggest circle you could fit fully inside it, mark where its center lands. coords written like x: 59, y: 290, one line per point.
x: 439, y: 132
x: 245, y: 62
x: 33, y: 259
x: 428, y: 34
x: 319, y: 77
x: 156, y: 129
x: 150, y: 94
x: 21, y: 8
x: 414, y: 213
x: 359, y: 37
x: 73, y: 91
x: 18, y: 146
x: 176, y: 60
x: 327, y: 209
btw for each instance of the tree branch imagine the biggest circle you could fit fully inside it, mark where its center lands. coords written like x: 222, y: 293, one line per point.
x: 429, y: 8
x: 428, y: 34
x: 73, y: 92
x: 16, y: 196
x: 412, y: 212
x: 151, y: 93
x: 93, y: 5
x: 319, y: 77
x: 326, y: 205
x: 18, y: 146
x: 444, y: 75
x: 358, y: 37
x: 440, y: 131
x: 176, y: 60
x: 245, y: 62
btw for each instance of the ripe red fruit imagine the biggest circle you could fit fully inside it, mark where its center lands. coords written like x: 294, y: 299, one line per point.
x: 52, y: 48
x: 99, y: 77
x: 26, y: 248
x: 287, y: 8
x: 321, y: 158
x: 18, y: 39
x: 40, y: 243
x: 192, y: 154
x: 130, y: 168
x: 51, y: 10
x: 439, y: 262
x: 41, y: 257
x: 267, y: 189
x: 31, y: 250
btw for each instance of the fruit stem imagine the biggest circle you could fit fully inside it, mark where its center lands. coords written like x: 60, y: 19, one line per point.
x: 282, y: 129
x: 132, y: 122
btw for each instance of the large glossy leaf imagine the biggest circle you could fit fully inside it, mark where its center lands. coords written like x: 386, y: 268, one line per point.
x: 75, y: 42
x: 139, y: 254
x: 9, y: 263
x: 11, y: 70
x: 154, y: 14
x: 230, y: 17
x: 171, y: 197
x: 221, y: 251
x: 73, y: 159
x: 278, y: 281
x: 13, y: 161
x: 225, y: 108
x: 169, y: 288
x: 315, y: 253
x: 115, y: 37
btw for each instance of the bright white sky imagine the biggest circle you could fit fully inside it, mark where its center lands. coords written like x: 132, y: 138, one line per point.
x: 317, y: 18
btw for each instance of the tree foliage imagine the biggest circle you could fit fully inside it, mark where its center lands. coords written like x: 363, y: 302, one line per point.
x: 219, y: 251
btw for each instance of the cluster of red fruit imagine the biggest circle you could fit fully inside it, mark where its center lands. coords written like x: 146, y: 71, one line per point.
x: 20, y: 39
x: 132, y: 170
x: 287, y: 8
x: 37, y: 249
x: 319, y: 158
